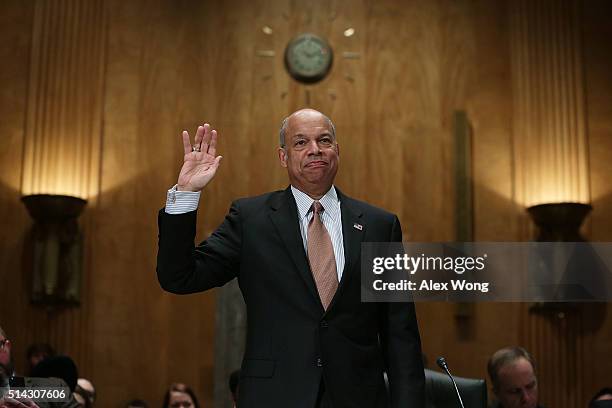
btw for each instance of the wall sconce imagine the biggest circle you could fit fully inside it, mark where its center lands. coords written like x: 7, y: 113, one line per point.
x: 559, y: 222
x: 56, y: 245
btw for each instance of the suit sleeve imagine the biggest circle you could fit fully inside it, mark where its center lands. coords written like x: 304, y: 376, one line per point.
x: 183, y: 268
x: 402, y: 348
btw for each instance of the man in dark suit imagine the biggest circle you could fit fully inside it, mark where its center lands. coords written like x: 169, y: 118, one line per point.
x: 310, y: 341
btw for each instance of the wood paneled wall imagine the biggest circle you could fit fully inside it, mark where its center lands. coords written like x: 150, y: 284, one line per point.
x: 597, y: 329
x: 169, y: 65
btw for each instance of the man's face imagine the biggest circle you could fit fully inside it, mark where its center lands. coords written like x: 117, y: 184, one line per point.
x: 518, y: 386
x: 311, y: 153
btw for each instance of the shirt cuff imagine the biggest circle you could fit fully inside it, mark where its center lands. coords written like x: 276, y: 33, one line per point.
x: 181, y: 202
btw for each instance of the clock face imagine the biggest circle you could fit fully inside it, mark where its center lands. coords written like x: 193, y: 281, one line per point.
x: 308, y: 58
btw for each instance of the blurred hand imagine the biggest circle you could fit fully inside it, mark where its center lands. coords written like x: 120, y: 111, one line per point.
x: 200, y: 163
x: 7, y: 402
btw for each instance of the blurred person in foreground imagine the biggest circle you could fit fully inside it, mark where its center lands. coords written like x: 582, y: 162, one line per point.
x: 58, y: 366
x: 602, y: 399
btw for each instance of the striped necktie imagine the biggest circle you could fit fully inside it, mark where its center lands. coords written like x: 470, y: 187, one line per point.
x: 321, y: 257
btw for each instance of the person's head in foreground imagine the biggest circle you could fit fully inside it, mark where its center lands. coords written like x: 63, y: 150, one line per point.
x: 180, y: 396
x: 58, y: 367
x: 603, y: 399
x: 309, y: 151
x: 513, y: 376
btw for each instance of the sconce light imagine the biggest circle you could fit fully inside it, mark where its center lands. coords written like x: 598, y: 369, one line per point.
x: 56, y: 248
x: 559, y: 221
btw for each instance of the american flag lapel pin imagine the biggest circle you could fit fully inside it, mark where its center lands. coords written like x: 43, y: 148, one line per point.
x: 358, y: 226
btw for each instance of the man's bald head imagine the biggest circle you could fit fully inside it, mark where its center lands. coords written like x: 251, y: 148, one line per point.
x: 285, y: 124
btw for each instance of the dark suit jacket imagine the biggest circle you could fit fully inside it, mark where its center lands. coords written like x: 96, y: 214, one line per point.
x: 292, y: 342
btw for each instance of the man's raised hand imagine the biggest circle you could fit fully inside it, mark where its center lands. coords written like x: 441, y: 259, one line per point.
x: 200, y: 163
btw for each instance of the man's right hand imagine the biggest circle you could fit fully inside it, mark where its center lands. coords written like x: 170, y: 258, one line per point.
x: 200, y: 163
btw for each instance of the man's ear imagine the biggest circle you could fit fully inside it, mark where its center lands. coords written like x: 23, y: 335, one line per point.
x: 282, y: 156
x: 337, y: 148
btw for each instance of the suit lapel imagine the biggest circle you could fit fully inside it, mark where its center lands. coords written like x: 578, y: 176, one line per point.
x: 284, y: 216
x: 353, y: 230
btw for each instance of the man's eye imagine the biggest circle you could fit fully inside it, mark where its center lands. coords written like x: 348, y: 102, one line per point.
x: 300, y: 142
x: 325, y: 141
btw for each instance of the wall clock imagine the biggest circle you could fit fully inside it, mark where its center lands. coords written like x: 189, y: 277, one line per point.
x: 308, y: 58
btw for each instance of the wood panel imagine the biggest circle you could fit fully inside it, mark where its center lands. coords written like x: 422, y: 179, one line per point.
x: 470, y: 80
x: 15, y: 38
x: 152, y: 93
x: 598, y: 85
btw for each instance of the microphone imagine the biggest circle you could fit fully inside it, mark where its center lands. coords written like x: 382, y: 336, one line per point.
x: 441, y: 361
